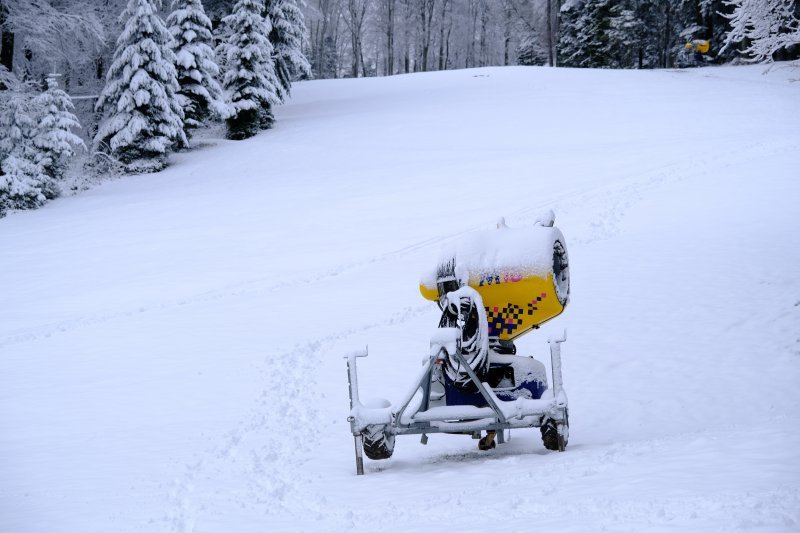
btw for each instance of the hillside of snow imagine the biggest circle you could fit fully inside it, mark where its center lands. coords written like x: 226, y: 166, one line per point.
x: 171, y: 345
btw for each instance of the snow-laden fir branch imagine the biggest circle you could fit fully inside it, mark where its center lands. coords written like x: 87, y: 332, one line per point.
x: 766, y: 26
x: 196, y: 67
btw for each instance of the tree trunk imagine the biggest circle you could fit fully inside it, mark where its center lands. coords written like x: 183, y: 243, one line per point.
x: 470, y: 59
x: 426, y: 20
x: 484, y: 57
x: 556, y: 30
x: 320, y: 50
x: 423, y: 46
x: 506, y: 33
x: 550, y: 61
x: 99, y: 68
x: 7, y: 53
x: 441, y: 34
x: 6, y: 41
x: 447, y: 46
x: 390, y: 37
x: 667, y: 27
x: 357, y: 12
x: 441, y: 41
x: 361, y: 55
x: 27, y: 53
x: 356, y: 56
x: 407, y: 17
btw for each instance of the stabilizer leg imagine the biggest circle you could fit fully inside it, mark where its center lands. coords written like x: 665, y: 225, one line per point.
x: 359, y: 442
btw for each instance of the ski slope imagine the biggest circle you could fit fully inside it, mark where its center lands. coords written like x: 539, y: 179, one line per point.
x: 171, y: 345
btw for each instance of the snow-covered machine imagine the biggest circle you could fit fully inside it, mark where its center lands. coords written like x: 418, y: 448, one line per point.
x: 492, y: 287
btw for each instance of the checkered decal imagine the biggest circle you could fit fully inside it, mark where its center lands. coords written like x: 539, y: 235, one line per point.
x: 508, y: 319
x: 532, y: 305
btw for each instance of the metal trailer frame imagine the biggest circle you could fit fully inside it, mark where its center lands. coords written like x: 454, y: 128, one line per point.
x: 497, y: 416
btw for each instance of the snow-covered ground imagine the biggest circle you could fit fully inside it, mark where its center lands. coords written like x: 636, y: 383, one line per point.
x: 170, y: 345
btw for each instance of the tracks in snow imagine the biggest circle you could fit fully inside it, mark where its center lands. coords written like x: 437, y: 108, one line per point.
x: 610, y: 200
x: 263, y: 454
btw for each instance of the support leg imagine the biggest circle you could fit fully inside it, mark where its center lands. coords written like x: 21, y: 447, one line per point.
x: 359, y: 443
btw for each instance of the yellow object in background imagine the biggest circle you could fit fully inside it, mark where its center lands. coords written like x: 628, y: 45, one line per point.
x: 700, y: 46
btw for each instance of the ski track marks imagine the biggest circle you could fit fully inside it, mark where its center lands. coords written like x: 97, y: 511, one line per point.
x: 610, y: 201
x: 278, y: 426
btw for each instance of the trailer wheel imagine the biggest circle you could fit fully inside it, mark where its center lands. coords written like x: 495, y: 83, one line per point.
x: 555, y: 435
x: 563, y: 432
x: 549, y: 435
x: 487, y: 442
x: 378, y: 443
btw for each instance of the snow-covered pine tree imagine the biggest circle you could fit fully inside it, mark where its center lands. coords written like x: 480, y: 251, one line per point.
x: 530, y: 51
x: 195, y: 63
x: 249, y: 71
x: 23, y: 183
x: 568, y: 46
x: 625, y: 35
x: 324, y: 62
x: 766, y: 26
x: 287, y: 37
x: 649, y: 30
x: 144, y: 119
x: 54, y: 140
x: 585, y: 34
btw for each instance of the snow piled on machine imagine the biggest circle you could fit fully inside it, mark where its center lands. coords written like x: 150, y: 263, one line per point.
x: 504, y: 253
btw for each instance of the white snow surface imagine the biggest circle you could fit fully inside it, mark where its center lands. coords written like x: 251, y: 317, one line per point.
x: 171, y: 345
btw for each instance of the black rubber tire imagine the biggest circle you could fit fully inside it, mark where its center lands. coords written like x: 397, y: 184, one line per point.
x: 482, y: 446
x: 378, y: 443
x: 550, y: 435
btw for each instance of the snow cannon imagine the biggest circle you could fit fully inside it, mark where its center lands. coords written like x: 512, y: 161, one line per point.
x: 698, y: 46
x: 492, y: 287
x: 521, y: 274
x: 695, y: 53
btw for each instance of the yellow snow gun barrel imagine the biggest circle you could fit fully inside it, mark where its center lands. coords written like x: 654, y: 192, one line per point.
x: 701, y: 46
x: 521, y: 274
